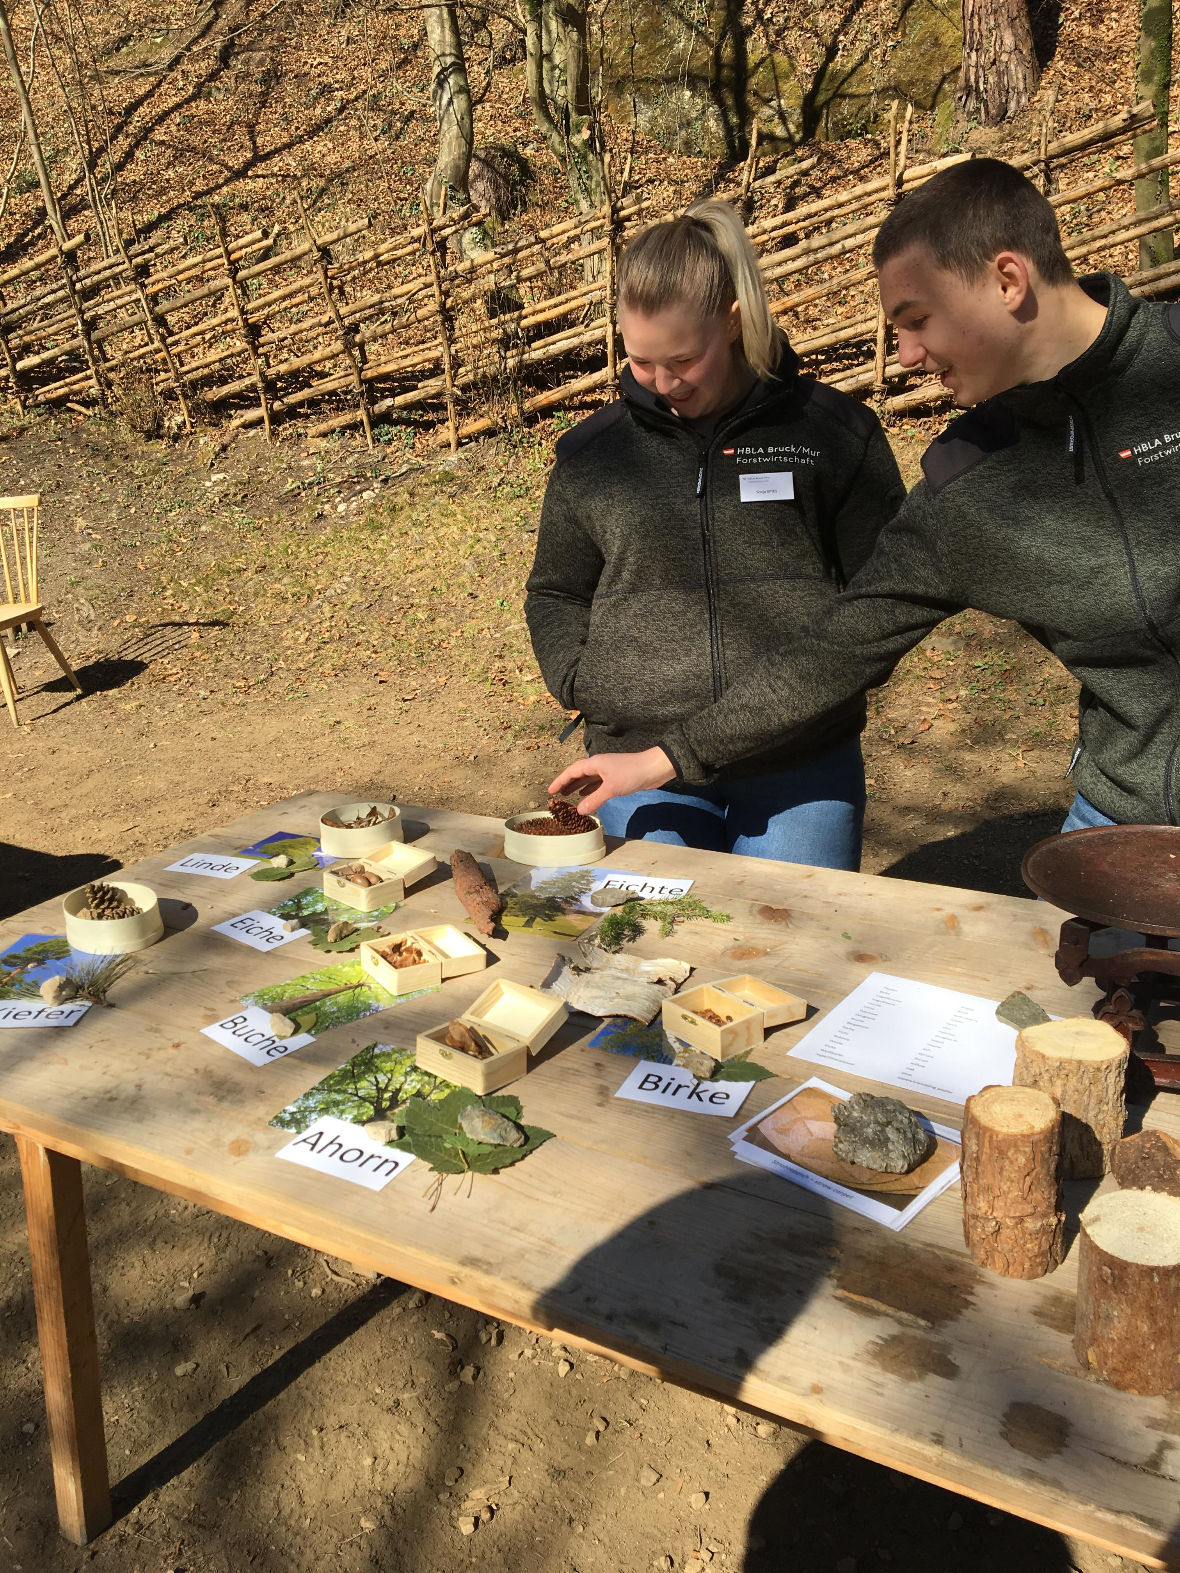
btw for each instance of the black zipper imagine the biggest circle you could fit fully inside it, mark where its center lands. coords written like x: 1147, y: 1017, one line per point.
x: 1140, y: 599
x: 710, y: 590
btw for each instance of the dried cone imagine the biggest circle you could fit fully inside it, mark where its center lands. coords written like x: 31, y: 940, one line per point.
x: 1127, y: 1327
x: 105, y: 901
x: 480, y: 900
x: 1083, y: 1064
x: 1012, y: 1218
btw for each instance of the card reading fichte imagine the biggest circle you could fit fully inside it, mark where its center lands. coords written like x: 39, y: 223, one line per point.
x: 212, y: 865
x: 335, y: 1147
x: 674, y: 1088
x: 248, y: 1034
x: 260, y: 930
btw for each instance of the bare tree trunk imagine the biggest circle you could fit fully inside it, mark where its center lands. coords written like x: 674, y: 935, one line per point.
x: 451, y: 96
x: 557, y: 75
x: 52, y: 211
x: 999, y: 71
x: 1153, y: 80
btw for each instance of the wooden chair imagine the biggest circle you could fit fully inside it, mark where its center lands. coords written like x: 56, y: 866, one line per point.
x: 18, y: 556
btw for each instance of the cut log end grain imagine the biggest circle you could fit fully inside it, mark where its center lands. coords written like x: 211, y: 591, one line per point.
x: 1083, y: 1064
x: 1013, y: 1222
x: 480, y: 900
x: 1127, y: 1329
x: 1148, y: 1161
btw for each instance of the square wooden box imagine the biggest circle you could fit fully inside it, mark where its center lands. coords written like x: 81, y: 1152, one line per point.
x: 681, y: 1021
x: 777, y: 1006
x: 402, y: 980
x: 404, y: 862
x: 460, y: 953
x: 513, y: 1011
x: 362, y: 898
x: 510, y: 1061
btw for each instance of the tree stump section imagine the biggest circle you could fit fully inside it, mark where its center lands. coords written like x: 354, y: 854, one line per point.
x: 1127, y: 1329
x: 1083, y: 1064
x: 1012, y: 1218
x: 1148, y: 1161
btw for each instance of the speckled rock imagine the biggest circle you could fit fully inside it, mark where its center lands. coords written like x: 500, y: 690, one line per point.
x: 485, y: 1125
x: 701, y: 1065
x: 57, y: 990
x: 611, y: 896
x: 1019, y: 1011
x: 879, y: 1133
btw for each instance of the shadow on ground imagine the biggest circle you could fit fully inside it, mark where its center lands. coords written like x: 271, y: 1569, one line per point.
x: 32, y: 876
x: 986, y: 857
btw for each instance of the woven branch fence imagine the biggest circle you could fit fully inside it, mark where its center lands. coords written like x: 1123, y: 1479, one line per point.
x: 345, y: 329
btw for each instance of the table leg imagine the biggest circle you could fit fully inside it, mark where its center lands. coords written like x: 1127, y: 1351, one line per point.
x: 69, y: 1346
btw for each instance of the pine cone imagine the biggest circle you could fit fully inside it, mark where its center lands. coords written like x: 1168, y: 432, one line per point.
x: 106, y: 902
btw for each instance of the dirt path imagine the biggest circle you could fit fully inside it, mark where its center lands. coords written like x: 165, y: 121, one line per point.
x: 250, y: 622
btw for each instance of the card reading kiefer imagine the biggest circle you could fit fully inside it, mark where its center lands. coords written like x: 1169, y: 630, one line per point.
x: 335, y: 1147
x: 674, y: 1088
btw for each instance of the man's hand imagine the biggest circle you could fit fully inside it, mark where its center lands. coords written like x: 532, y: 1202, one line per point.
x: 604, y: 776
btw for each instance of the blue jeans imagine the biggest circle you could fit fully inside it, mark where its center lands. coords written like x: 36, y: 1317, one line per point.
x: 814, y: 814
x: 1084, y: 816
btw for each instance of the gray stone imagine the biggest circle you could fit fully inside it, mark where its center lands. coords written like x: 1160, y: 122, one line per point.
x: 281, y: 861
x: 879, y: 1133
x: 611, y: 896
x: 485, y: 1125
x: 1019, y: 1011
x: 649, y: 1477
x: 57, y: 990
x: 703, y: 1066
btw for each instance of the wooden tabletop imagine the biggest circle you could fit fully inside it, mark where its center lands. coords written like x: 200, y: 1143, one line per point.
x: 635, y: 1231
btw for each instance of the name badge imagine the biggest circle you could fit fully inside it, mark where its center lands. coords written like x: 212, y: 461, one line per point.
x: 775, y: 486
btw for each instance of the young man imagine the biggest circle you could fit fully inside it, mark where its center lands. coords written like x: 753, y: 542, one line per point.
x: 1055, y: 501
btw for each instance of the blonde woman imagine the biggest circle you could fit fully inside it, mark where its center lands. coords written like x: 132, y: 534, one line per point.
x: 700, y: 522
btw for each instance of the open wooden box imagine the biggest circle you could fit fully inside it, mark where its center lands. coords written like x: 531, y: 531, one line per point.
x: 342, y: 843
x: 777, y: 1006
x: 398, y: 866
x: 426, y: 974
x: 510, y: 1061
x: 460, y: 953
x: 508, y: 1011
x: 742, y: 1032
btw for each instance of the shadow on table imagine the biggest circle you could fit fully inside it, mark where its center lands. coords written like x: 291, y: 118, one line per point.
x: 33, y: 876
x: 986, y: 857
x: 715, y: 1285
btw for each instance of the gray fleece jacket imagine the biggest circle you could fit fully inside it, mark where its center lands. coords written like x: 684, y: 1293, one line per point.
x: 668, y: 564
x: 1057, y: 505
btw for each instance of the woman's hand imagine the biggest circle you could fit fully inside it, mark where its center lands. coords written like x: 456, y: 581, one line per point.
x: 604, y: 776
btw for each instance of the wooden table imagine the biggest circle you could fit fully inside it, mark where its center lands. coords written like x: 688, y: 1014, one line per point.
x: 635, y: 1233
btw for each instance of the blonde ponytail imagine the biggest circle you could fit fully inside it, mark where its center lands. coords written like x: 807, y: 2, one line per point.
x: 703, y: 261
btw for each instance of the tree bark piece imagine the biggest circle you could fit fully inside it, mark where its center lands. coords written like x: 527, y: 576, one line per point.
x: 1127, y: 1329
x: 1149, y: 1161
x: 1083, y: 1064
x: 1153, y: 80
x: 999, y: 70
x: 480, y: 900
x: 1012, y: 1218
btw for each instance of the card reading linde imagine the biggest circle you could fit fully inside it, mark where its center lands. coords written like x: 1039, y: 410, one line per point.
x: 213, y: 865
x: 260, y: 930
x: 679, y: 1089
x: 30, y: 1013
x: 335, y: 1147
x: 248, y: 1034
x: 775, y: 486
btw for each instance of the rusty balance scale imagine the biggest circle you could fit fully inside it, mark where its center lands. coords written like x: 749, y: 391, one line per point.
x: 1127, y: 877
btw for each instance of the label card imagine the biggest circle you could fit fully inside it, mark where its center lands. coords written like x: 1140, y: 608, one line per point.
x: 22, y: 1013
x: 213, y: 865
x: 248, y: 1034
x: 335, y: 1147
x: 260, y: 930
x: 777, y: 486
x: 675, y: 1088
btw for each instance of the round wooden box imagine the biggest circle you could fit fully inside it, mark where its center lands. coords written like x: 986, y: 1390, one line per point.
x: 342, y: 843
x: 114, y: 936
x: 552, y: 851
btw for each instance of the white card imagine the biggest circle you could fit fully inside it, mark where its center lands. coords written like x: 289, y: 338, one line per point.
x: 260, y: 930
x: 674, y: 1088
x: 213, y: 865
x: 777, y: 486
x: 335, y: 1147
x: 29, y: 1013
x: 248, y: 1034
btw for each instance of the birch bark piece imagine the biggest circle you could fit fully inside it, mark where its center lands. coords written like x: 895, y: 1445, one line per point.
x: 1148, y: 1161
x: 1083, y: 1064
x: 1127, y: 1328
x: 1012, y: 1218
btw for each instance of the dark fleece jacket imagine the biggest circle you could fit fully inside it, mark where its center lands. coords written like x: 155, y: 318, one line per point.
x: 656, y: 587
x: 1057, y: 505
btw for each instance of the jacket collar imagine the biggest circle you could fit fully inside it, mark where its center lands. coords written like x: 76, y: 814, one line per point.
x: 1109, y: 355
x: 764, y: 396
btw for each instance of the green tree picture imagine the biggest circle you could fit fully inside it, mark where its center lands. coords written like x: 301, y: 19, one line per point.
x: 549, y: 905
x: 372, y: 1085
x: 17, y: 965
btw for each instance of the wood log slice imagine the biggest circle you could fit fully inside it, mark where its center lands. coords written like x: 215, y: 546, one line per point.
x: 1148, y: 1161
x: 1083, y: 1064
x: 1012, y: 1218
x: 1127, y: 1328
